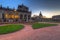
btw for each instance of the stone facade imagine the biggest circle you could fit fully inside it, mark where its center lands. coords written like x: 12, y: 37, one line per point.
x: 21, y: 14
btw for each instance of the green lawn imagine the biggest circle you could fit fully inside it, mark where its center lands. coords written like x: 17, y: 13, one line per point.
x: 41, y: 25
x: 10, y: 28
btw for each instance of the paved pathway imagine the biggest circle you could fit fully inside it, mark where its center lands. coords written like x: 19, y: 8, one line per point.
x: 47, y: 33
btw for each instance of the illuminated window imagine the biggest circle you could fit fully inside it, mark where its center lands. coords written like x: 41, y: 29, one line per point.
x: 14, y: 10
x: 6, y: 15
x: 16, y: 16
x: 12, y: 16
x: 9, y: 16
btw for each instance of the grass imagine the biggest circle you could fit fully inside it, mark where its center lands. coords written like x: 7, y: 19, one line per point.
x: 41, y: 25
x: 10, y: 28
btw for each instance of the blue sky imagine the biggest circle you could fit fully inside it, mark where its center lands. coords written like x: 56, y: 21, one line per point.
x: 47, y: 7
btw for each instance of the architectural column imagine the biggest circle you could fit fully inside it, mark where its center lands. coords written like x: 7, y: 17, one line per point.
x: 27, y: 19
x: 19, y: 20
x: 23, y: 17
x: 30, y: 18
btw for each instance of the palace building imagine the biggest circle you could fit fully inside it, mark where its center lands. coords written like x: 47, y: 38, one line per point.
x: 21, y: 14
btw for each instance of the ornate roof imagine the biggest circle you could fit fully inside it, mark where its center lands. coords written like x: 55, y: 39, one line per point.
x: 22, y: 6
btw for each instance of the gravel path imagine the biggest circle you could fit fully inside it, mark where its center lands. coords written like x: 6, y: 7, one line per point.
x: 47, y: 33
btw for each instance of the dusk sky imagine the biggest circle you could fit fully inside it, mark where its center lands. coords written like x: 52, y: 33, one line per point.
x: 47, y: 7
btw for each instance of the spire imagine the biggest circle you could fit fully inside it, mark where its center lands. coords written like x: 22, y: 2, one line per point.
x: 40, y: 15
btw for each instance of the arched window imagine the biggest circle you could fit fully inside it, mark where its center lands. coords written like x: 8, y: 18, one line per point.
x: 29, y: 16
x: 21, y: 16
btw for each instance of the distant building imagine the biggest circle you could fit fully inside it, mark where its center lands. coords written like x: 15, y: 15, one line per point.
x: 56, y: 18
x: 41, y: 18
x: 21, y: 14
x: 38, y: 18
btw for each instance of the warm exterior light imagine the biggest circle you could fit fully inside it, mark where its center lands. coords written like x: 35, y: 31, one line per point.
x: 16, y: 16
x: 12, y: 16
x: 6, y: 15
x: 14, y: 10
